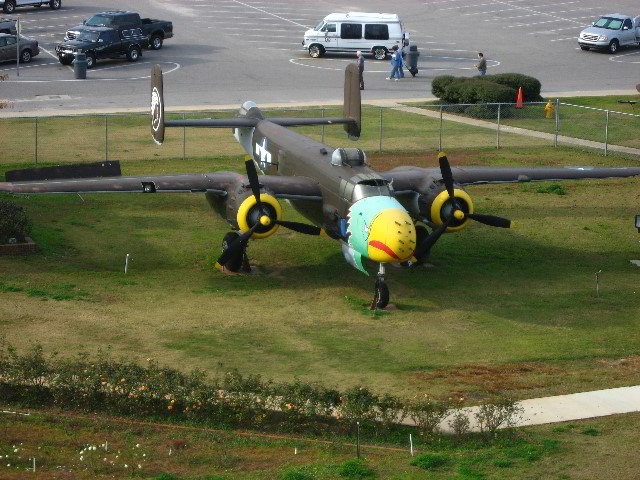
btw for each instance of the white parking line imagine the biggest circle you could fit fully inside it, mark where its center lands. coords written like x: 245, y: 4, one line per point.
x: 48, y: 19
x: 255, y: 29
x: 280, y: 43
x: 273, y: 15
x: 564, y: 39
x: 559, y: 29
x: 256, y: 35
x: 491, y: 4
x: 541, y: 13
x: 254, y: 18
x: 515, y: 8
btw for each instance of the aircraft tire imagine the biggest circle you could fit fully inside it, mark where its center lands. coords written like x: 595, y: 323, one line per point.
x: 235, y: 263
x: 381, y: 296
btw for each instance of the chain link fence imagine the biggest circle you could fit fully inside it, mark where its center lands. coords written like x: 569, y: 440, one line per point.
x: 127, y: 137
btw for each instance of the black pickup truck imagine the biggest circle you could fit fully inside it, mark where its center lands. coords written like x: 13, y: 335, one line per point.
x: 156, y: 31
x: 102, y: 42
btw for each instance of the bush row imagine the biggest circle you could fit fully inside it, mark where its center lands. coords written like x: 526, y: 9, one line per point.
x: 102, y: 384
x: 498, y: 88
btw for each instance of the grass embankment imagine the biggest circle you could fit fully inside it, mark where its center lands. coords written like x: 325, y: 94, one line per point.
x: 590, y: 449
x: 510, y: 312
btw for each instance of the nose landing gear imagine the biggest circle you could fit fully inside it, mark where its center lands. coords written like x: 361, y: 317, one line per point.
x: 381, y: 292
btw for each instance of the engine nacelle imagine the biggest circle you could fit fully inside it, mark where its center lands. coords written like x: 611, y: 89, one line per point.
x: 436, y: 206
x: 241, y: 210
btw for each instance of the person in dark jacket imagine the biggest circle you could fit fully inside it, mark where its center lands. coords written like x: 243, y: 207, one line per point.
x: 360, y: 61
x: 482, y: 64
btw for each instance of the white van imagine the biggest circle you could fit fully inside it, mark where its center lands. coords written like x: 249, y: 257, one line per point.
x: 353, y: 31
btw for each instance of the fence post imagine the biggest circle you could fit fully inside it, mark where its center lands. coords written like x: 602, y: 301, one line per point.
x: 380, y: 148
x: 606, y: 135
x: 106, y: 138
x: 498, y: 130
x: 184, y: 138
x: 322, y: 141
x: 36, y: 140
x: 555, y: 137
x: 440, y: 142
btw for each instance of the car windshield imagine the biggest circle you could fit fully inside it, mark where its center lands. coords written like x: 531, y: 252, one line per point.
x: 88, y: 36
x: 319, y: 26
x: 608, y: 23
x: 100, y: 21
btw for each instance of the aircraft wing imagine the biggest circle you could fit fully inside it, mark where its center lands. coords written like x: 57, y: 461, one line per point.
x: 413, y: 178
x: 217, y: 183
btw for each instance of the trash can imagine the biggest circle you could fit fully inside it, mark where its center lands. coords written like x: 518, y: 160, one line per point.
x: 412, y: 60
x: 80, y: 66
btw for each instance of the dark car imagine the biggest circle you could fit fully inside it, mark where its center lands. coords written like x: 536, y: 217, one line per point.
x: 9, y: 6
x: 8, y: 25
x: 8, y: 48
x: 156, y: 31
x: 102, y: 42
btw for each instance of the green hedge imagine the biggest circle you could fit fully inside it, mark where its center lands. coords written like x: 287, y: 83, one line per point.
x: 499, y: 88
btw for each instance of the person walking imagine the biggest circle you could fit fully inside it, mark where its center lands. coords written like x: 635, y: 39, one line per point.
x: 482, y: 64
x: 360, y: 61
x: 395, y: 62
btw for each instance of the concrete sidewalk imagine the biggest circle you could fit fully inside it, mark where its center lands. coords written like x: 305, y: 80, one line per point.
x: 563, y: 408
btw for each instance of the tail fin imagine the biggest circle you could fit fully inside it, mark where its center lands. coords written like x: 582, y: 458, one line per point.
x: 352, y: 102
x: 157, y: 105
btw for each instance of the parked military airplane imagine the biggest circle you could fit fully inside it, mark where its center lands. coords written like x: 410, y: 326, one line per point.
x: 372, y: 215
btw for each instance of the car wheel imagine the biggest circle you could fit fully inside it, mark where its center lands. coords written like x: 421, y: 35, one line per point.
x: 65, y: 61
x: 613, y: 46
x: 25, y: 56
x: 156, y: 42
x: 133, y: 55
x: 91, y: 60
x: 584, y: 48
x: 316, y: 51
x: 55, y: 4
x: 379, y: 53
x: 9, y: 6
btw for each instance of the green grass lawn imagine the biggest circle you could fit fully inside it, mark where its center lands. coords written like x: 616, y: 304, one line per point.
x: 63, y: 446
x: 500, y: 311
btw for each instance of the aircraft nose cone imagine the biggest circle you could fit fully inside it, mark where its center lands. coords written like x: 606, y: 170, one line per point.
x: 392, y: 237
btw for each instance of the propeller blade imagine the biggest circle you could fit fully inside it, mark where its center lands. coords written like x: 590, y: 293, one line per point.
x: 428, y: 242
x: 490, y: 220
x: 254, y: 183
x: 447, y: 176
x: 238, y: 244
x: 299, y: 227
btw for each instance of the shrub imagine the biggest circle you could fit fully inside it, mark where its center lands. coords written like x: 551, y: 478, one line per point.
x: 440, y: 83
x: 358, y: 404
x: 390, y: 411
x: 430, y: 461
x: 504, y: 412
x: 530, y: 86
x: 460, y: 423
x: 498, y: 88
x: 296, y: 474
x: 13, y: 222
x: 427, y: 413
x: 553, y: 188
x: 356, y: 469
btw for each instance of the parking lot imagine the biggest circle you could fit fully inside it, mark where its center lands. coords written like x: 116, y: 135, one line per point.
x: 228, y: 51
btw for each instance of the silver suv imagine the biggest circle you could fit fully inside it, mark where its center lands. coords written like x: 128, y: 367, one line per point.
x: 610, y: 32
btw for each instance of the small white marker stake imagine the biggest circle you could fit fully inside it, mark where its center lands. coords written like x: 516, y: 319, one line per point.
x: 126, y: 264
x: 411, y: 444
x: 34, y: 464
x: 598, y: 282
x: 106, y: 446
x: 295, y: 451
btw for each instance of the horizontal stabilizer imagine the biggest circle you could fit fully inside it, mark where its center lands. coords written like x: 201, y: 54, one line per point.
x: 244, y: 122
x: 81, y: 170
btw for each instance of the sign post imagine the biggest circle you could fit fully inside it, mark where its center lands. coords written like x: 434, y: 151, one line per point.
x: 18, y: 47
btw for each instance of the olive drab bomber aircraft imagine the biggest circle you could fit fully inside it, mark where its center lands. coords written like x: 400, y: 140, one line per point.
x: 391, y: 217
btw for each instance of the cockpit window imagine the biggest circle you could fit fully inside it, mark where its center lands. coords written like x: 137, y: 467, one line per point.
x: 374, y: 182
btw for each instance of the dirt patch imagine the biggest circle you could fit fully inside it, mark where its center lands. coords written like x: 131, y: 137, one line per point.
x: 494, y: 379
x: 630, y: 363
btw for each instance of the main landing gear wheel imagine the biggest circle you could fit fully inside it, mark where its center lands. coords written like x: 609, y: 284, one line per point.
x: 239, y: 260
x: 381, y: 292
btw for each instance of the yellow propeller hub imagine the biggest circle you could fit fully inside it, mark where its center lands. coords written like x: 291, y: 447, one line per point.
x: 265, y: 220
x: 459, y: 215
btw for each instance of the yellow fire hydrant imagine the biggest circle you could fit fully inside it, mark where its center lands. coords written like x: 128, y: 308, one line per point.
x: 548, y: 110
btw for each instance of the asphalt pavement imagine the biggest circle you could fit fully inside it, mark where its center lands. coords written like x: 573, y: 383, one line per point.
x: 227, y: 51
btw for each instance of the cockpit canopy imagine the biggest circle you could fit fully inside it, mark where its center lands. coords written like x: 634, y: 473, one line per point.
x: 348, y: 157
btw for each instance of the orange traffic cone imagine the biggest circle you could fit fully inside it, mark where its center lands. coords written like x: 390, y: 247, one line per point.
x: 519, y: 98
